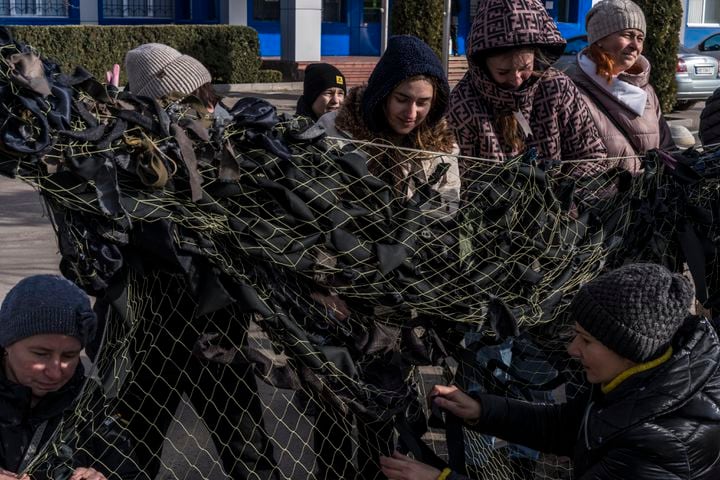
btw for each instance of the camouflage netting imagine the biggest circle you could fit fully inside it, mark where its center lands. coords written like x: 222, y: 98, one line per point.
x: 255, y: 269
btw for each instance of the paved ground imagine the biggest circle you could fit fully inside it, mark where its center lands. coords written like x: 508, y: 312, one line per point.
x: 29, y: 247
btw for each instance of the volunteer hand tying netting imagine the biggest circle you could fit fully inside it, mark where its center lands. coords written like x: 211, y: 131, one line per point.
x: 189, y: 227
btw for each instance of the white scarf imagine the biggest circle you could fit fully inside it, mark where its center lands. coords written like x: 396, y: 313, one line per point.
x: 629, y: 95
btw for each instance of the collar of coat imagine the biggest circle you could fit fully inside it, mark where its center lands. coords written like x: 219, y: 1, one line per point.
x: 503, y: 100
x: 646, y: 395
x: 627, y: 89
x: 635, y: 370
x: 15, y: 400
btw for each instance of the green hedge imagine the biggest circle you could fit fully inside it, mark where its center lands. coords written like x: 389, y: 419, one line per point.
x: 664, y: 18
x: 230, y: 52
x: 422, y: 18
x: 269, y: 76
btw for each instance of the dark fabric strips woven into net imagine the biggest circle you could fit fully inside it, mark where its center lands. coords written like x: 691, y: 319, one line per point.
x: 225, y: 256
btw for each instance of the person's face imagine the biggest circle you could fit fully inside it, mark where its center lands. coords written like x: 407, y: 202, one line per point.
x: 327, y: 101
x: 601, y: 364
x: 510, y: 70
x: 44, y: 363
x: 408, y: 105
x: 624, y: 47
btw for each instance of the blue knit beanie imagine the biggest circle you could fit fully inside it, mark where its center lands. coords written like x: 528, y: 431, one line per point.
x: 406, y: 56
x: 44, y: 304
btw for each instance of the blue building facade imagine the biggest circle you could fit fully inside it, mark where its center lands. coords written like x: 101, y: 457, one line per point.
x: 349, y: 27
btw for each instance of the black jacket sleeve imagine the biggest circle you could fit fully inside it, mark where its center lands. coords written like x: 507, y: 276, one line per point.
x: 710, y: 120
x: 547, y: 428
x: 107, y: 449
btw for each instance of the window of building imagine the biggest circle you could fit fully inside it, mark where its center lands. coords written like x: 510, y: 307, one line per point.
x: 23, y: 8
x: 704, y: 12
x: 334, y: 11
x: 266, y: 10
x: 138, y: 8
x: 371, y: 11
x: 567, y: 11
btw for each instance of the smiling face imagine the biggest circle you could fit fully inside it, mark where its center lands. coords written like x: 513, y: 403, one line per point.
x: 408, y: 105
x: 511, y: 70
x: 327, y: 101
x: 624, y: 47
x: 601, y: 364
x: 44, y: 363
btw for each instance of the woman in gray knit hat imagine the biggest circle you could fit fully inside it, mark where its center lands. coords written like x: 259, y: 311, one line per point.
x: 653, y: 411
x: 45, y: 321
x: 161, y: 376
x: 156, y: 70
x: 614, y: 76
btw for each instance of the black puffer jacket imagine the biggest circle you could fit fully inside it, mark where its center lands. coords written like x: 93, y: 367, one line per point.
x: 103, y: 447
x: 663, y: 423
x: 710, y: 120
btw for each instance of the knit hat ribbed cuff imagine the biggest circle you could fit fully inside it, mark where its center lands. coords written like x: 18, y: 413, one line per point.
x: 610, y: 16
x: 46, y: 304
x: 155, y: 70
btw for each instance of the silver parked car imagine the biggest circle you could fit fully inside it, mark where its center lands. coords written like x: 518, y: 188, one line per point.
x: 697, y: 76
x: 709, y: 46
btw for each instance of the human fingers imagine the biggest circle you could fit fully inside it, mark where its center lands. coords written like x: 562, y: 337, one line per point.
x: 442, y: 390
x: 459, y: 404
x: 402, y: 467
x: 395, y: 468
x: 83, y: 473
x: 116, y: 75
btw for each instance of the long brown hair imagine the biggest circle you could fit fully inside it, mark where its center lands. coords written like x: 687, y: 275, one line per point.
x: 512, y: 134
x: 206, y: 94
x: 420, y: 137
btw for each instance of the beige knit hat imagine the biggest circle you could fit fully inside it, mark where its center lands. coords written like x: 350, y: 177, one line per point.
x: 156, y: 70
x: 610, y: 16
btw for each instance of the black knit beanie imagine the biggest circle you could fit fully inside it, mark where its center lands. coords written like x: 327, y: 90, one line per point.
x: 44, y: 304
x: 318, y: 78
x: 406, y: 56
x: 635, y: 310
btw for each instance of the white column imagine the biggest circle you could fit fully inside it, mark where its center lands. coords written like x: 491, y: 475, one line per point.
x: 234, y: 12
x: 89, y: 12
x: 300, y: 24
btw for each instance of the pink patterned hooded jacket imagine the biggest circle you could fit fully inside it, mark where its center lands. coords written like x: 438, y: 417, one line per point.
x: 561, y: 125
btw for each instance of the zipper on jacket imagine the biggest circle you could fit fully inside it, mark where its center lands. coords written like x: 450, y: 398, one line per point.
x: 585, y: 423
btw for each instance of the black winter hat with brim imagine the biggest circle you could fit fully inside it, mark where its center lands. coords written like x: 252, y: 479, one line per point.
x: 406, y: 56
x: 635, y: 310
x: 318, y: 78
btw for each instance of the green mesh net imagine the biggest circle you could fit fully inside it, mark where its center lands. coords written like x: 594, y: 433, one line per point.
x: 272, y: 309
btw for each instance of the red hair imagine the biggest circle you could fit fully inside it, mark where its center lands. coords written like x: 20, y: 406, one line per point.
x: 605, y: 63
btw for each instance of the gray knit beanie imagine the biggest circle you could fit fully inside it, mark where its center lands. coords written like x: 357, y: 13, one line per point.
x: 44, y: 304
x: 610, y: 16
x: 635, y: 310
x: 156, y: 70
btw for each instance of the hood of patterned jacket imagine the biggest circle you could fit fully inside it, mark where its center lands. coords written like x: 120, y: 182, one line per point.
x: 558, y: 119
